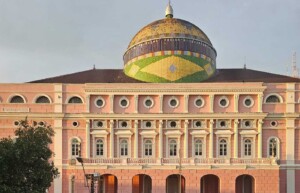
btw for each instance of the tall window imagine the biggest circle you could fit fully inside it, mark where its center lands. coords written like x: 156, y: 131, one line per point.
x: 273, y: 147
x: 173, y: 148
x: 124, y: 148
x: 75, y: 147
x: 247, y: 147
x: 99, y: 147
x: 148, y: 148
x: 223, y: 147
x: 198, y: 147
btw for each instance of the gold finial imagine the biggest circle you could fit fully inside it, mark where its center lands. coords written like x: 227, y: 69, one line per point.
x: 169, y: 10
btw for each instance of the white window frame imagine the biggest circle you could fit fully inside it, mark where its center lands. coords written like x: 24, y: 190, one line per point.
x: 278, y: 147
x: 149, y: 135
x: 225, y: 98
x: 199, y: 98
x: 175, y: 134
x: 169, y: 148
x: 100, y: 134
x: 103, y: 147
x: 202, y: 134
x: 173, y: 98
x: 95, y: 124
x: 99, y: 98
x: 125, y: 148
x: 148, y: 98
x: 121, y: 135
x: 251, y: 99
x: 224, y: 134
x: 251, y: 145
x: 144, y: 148
x: 71, y: 147
x: 124, y: 98
x: 275, y: 94
x: 248, y: 134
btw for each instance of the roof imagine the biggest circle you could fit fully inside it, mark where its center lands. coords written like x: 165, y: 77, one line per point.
x: 118, y: 76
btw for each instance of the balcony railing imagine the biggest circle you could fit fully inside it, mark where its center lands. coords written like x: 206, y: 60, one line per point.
x: 182, y: 161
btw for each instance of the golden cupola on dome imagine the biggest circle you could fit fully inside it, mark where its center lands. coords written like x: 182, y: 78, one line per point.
x: 170, y: 50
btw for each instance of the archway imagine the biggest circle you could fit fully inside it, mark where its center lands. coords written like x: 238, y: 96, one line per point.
x: 244, y: 184
x: 175, y: 184
x: 210, y: 184
x: 108, y: 184
x: 141, y: 183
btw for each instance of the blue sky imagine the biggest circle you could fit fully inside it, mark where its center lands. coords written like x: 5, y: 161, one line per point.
x: 40, y: 39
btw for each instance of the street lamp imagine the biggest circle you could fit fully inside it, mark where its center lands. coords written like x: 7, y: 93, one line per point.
x: 89, y: 177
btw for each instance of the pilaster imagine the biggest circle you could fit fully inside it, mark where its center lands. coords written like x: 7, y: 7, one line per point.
x: 136, y: 103
x: 211, y: 139
x: 186, y: 103
x: 290, y: 143
x: 58, y: 98
x: 260, y: 98
x: 161, y: 103
x: 186, y: 139
x: 136, y: 139
x: 58, y: 154
x: 236, y: 138
x: 236, y: 102
x: 111, y: 145
x: 88, y: 138
x: 211, y: 102
x: 161, y: 135
x: 88, y: 103
x: 259, y: 138
x: 111, y: 99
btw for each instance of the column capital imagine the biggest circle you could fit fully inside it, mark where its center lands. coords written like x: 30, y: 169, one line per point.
x: 136, y: 123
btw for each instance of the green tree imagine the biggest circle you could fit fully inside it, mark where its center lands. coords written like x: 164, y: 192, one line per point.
x: 25, y: 165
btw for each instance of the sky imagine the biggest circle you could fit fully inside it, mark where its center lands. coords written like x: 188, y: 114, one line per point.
x: 46, y: 38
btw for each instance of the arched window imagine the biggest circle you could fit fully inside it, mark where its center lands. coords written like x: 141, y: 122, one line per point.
x: 173, y: 148
x: 148, y: 148
x: 198, y: 147
x: 247, y: 147
x: 273, y: 99
x: 42, y: 99
x: 273, y: 147
x: 124, y: 148
x: 75, y: 99
x: 223, y: 147
x: 75, y: 145
x: 99, y: 147
x: 17, y: 99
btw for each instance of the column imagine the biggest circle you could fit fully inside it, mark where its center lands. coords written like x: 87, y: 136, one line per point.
x: 290, y: 154
x: 161, y: 103
x: 111, y: 99
x: 260, y: 102
x: 236, y: 138
x: 58, y: 98
x: 87, y: 102
x: 186, y: 103
x: 136, y: 139
x: 211, y: 102
x: 186, y: 139
x: 58, y: 154
x: 136, y: 103
x: 211, y: 139
x: 88, y: 139
x: 111, y: 145
x: 259, y: 139
x: 161, y: 136
x: 236, y: 103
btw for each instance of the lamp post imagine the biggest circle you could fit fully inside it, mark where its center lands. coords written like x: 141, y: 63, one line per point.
x: 92, y: 177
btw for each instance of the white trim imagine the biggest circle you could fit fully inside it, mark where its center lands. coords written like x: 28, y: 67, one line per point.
x: 99, y: 98
x: 203, y: 124
x: 41, y: 95
x: 276, y: 123
x: 199, y: 98
x: 95, y: 126
x: 144, y: 122
x: 76, y: 122
x: 278, y: 146
x: 227, y: 124
x: 120, y: 124
x: 226, y: 99
x: 125, y: 134
x: 153, y: 147
x: 169, y: 124
x: 243, y: 147
x: 67, y: 100
x: 224, y: 134
x: 173, y: 98
x: 275, y: 94
x: 251, y: 126
x: 120, y: 101
x: 148, y: 98
x: 251, y: 99
x: 199, y: 135
x: 13, y: 95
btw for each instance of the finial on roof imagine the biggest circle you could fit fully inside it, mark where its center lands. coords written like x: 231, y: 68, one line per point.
x: 169, y: 10
x: 245, y: 66
x: 94, y: 67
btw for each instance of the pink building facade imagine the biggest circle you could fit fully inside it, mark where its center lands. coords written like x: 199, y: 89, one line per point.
x: 236, y: 132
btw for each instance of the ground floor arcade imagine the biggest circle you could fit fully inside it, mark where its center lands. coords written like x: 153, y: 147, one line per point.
x: 171, y: 181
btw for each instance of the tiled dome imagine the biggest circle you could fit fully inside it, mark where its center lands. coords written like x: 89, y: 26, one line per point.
x: 170, y: 50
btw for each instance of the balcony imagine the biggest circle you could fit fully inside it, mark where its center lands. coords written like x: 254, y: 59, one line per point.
x: 181, y: 162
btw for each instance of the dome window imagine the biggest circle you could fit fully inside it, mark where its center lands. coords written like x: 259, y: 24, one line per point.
x: 17, y: 99
x: 75, y: 100
x: 42, y: 99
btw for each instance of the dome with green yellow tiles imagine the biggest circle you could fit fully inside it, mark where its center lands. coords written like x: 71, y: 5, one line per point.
x: 170, y: 50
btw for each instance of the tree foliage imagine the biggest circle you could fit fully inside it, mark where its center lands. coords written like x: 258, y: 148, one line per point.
x: 24, y: 161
